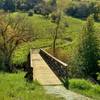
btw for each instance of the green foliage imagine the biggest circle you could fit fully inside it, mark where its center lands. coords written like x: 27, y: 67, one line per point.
x: 96, y: 88
x: 80, y: 84
x: 14, y: 87
x: 9, y: 5
x: 42, y: 9
x: 53, y: 4
x: 81, y: 9
x: 87, y: 51
x: 85, y: 87
x: 20, y: 54
x: 97, y: 11
x: 98, y: 76
x: 43, y: 28
x: 23, y: 5
x: 61, y: 54
x: 30, y: 13
x: 14, y: 31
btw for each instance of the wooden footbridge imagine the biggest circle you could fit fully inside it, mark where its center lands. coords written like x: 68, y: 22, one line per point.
x: 51, y: 73
x: 47, y: 69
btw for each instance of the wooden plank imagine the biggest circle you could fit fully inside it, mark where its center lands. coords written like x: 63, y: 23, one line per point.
x: 42, y: 72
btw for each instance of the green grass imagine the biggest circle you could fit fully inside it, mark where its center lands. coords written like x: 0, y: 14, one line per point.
x: 14, y: 87
x: 86, y: 88
x: 43, y: 27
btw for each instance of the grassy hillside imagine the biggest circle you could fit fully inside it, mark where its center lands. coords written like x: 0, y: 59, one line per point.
x: 14, y: 87
x: 43, y: 28
x: 85, y: 87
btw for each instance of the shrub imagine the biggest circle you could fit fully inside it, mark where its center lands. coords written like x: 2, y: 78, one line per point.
x: 80, y: 84
x: 98, y: 73
x: 24, y: 7
x: 66, y: 24
x: 98, y: 77
x: 96, y: 89
x: 83, y: 9
x: 42, y: 9
x: 60, y: 54
x: 86, y: 88
x: 86, y: 56
x: 79, y: 10
x: 30, y: 13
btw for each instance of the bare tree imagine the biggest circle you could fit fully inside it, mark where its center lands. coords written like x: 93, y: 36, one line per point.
x: 13, y: 32
x: 57, y: 18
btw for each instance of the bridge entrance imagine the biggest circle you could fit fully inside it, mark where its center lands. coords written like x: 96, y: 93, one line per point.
x: 41, y: 71
x: 51, y: 73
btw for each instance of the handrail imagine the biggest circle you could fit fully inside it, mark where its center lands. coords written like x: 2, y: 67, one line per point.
x: 59, y: 61
x: 58, y: 67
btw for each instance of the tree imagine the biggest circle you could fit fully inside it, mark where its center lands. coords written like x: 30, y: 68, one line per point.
x: 24, y: 7
x: 87, y: 53
x: 97, y: 12
x: 9, y: 5
x: 13, y: 32
x: 30, y: 13
x: 1, y: 4
x: 53, y: 4
x: 18, y: 4
x: 57, y: 18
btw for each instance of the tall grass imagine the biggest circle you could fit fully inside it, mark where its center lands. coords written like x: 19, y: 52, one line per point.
x: 14, y: 87
x: 86, y: 88
x: 43, y: 27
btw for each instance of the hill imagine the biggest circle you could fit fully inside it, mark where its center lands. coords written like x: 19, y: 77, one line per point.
x: 43, y: 26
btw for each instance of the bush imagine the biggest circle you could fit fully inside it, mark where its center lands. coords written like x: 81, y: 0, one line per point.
x: 96, y: 89
x: 86, y: 55
x: 79, y: 10
x: 24, y: 7
x: 30, y: 13
x: 83, y: 10
x: 80, y: 84
x: 98, y: 76
x: 60, y: 54
x: 42, y: 9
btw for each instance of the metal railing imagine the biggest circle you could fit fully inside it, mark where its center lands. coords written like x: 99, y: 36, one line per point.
x: 57, y: 66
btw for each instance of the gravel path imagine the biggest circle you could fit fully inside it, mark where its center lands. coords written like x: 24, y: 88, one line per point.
x: 61, y: 91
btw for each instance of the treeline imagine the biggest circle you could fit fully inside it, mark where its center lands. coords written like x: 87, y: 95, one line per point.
x: 78, y: 9
x: 12, y: 5
x: 37, y: 6
x: 82, y: 9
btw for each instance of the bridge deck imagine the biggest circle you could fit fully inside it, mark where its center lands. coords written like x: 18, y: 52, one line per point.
x: 42, y: 72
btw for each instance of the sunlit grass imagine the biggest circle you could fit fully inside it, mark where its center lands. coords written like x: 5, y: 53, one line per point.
x: 14, y: 87
x: 43, y: 27
x: 86, y: 88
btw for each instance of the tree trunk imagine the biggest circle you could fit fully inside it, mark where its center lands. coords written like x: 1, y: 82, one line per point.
x: 55, y: 39
x: 54, y: 46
